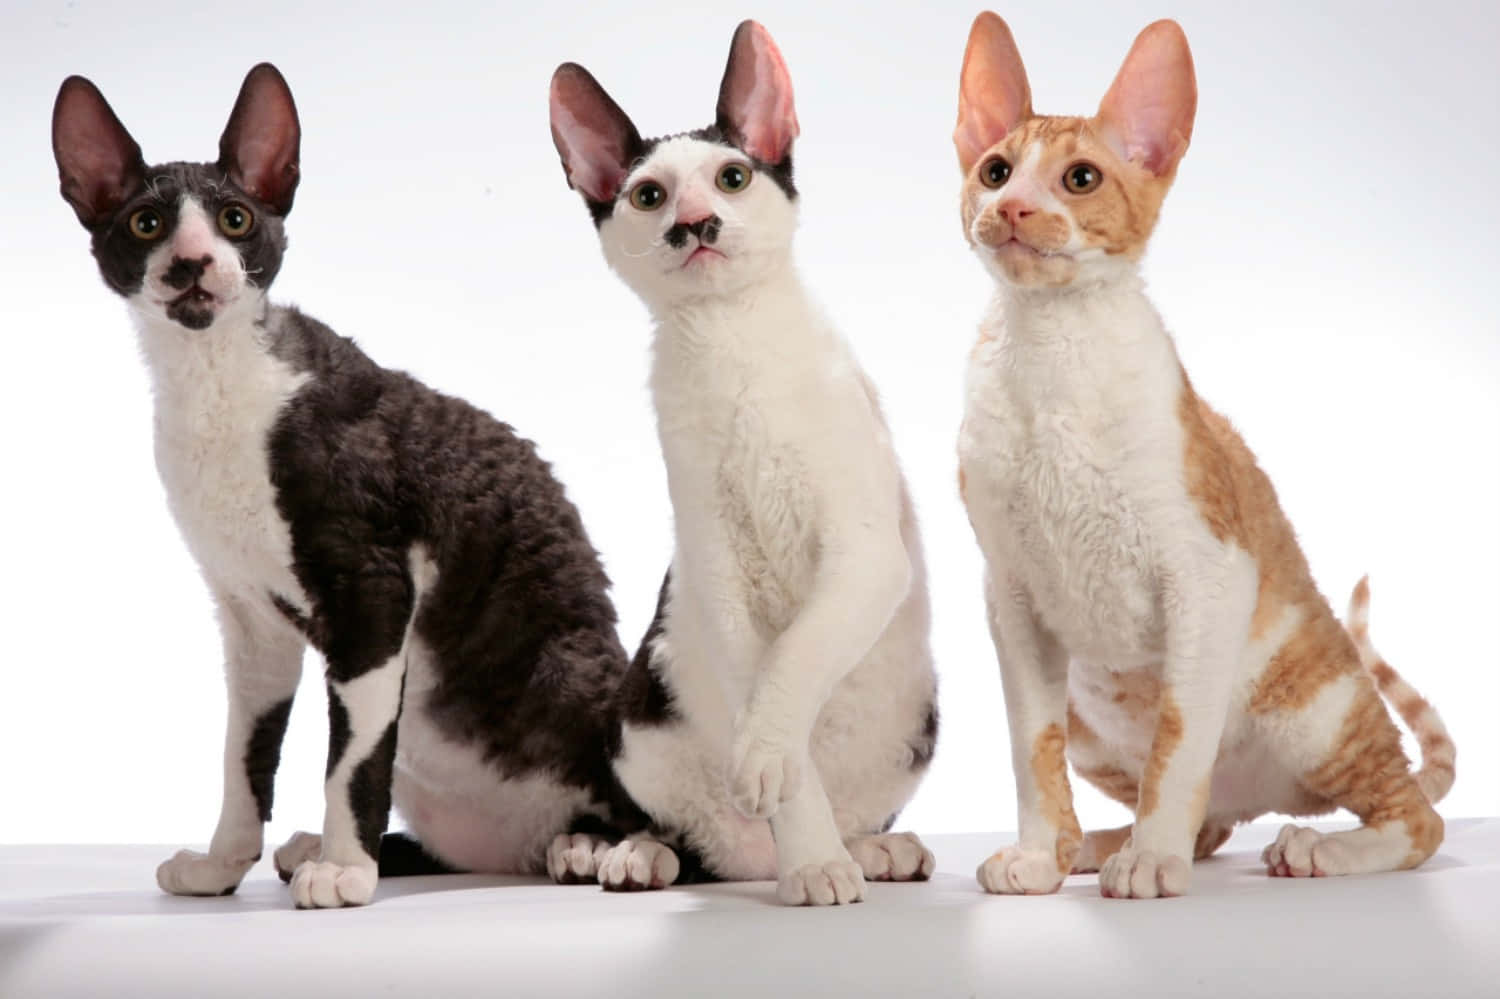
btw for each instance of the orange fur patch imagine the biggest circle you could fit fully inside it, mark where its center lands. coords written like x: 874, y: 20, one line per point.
x: 1163, y: 745
x: 1049, y: 768
x: 1098, y: 846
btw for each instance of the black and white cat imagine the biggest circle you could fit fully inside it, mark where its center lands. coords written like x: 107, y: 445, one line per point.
x: 787, y: 675
x: 417, y: 543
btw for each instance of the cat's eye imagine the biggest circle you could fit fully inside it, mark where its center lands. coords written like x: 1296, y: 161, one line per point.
x: 994, y: 173
x: 733, y: 177
x: 145, y: 223
x: 1081, y: 178
x: 235, y: 220
x: 648, y: 196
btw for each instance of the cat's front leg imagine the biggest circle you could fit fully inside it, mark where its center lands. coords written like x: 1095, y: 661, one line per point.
x: 263, y: 661
x: 1034, y: 674
x: 1209, y: 603
x: 813, y: 865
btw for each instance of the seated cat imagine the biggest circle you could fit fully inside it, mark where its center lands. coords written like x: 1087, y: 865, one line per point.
x: 420, y: 545
x: 784, y: 697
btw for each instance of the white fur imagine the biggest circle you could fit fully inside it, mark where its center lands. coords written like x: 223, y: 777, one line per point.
x: 795, y: 640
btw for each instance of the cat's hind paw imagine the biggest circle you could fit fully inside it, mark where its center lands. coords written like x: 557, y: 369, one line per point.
x: 1300, y: 852
x: 838, y: 882
x: 576, y: 859
x: 1133, y: 873
x: 1018, y: 871
x: 189, y: 872
x: 290, y: 855
x: 893, y: 857
x: 638, y: 865
x: 320, y: 884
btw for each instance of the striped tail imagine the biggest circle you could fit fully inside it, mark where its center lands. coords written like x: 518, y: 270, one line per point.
x: 1438, y: 752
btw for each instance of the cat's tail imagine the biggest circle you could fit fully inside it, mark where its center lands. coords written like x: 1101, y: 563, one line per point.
x: 1438, y: 751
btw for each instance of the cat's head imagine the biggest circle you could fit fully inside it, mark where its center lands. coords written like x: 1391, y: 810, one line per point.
x: 695, y: 215
x: 183, y: 243
x: 1048, y: 201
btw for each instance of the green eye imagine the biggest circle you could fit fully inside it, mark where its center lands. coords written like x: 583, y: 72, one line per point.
x: 733, y: 177
x: 1081, y: 178
x: 648, y: 196
x: 235, y: 220
x: 145, y: 223
x: 994, y: 173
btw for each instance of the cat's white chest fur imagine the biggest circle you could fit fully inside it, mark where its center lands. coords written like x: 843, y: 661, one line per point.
x: 1070, y: 417
x: 218, y: 394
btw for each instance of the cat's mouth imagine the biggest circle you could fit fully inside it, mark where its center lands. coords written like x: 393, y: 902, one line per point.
x: 703, y: 253
x: 1016, y: 245
x: 194, y: 308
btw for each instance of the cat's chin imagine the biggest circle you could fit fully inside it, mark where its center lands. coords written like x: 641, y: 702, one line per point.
x: 1020, y: 265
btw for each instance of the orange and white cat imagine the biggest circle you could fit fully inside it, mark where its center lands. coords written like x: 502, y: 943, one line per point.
x: 1155, y: 620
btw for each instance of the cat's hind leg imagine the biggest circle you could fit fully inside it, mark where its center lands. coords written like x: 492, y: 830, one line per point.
x: 263, y: 661
x: 892, y: 857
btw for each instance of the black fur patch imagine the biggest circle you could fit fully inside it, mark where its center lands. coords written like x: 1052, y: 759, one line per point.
x: 263, y: 754
x: 923, y: 747
x: 401, y: 856
x: 338, y: 730
x: 644, y: 699
x: 370, y: 791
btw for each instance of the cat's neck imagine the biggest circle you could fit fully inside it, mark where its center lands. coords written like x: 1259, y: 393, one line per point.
x: 772, y: 311
x: 1092, y: 315
x: 183, y: 361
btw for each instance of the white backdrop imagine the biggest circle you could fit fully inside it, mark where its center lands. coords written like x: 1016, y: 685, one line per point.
x: 1327, y: 261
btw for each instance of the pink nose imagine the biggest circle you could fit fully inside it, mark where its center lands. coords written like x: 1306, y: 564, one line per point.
x: 1014, y: 211
x: 693, y: 214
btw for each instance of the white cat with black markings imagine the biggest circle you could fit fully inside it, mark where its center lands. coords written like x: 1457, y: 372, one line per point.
x: 787, y: 676
x: 419, y: 544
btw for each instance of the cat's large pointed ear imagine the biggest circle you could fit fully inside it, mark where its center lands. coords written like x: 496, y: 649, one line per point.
x: 993, y: 95
x: 98, y: 163
x: 755, y: 98
x: 260, y: 147
x: 1148, y: 113
x: 596, y: 140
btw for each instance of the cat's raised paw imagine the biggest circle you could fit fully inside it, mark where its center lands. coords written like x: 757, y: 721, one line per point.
x: 893, y: 857
x: 837, y: 882
x: 189, y: 872
x: 1133, y: 873
x: 763, y: 775
x: 319, y: 884
x: 290, y: 855
x: 638, y: 865
x: 1017, y: 871
x: 576, y: 859
x: 1300, y: 852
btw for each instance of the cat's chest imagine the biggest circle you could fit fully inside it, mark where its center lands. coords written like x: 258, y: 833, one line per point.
x: 215, y: 413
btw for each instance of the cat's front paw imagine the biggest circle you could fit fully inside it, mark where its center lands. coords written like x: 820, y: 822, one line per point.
x: 318, y: 884
x: 638, y: 865
x: 893, y: 857
x: 1018, y: 871
x: 837, y: 882
x: 763, y: 773
x: 576, y: 859
x: 189, y: 872
x: 1133, y: 873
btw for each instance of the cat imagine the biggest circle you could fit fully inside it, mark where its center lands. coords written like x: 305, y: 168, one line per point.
x: 1154, y: 618
x: 419, y: 544
x: 786, y: 675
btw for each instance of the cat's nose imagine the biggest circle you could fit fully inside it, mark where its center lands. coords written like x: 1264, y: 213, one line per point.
x: 1014, y: 210
x: 185, y: 271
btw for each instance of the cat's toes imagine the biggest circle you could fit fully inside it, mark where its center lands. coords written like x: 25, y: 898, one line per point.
x: 638, y: 865
x: 1300, y: 852
x: 837, y: 882
x: 1017, y: 871
x: 1133, y: 873
x: 893, y: 857
x: 319, y: 884
x: 575, y: 859
x: 189, y: 872
x: 762, y: 776
x: 290, y: 855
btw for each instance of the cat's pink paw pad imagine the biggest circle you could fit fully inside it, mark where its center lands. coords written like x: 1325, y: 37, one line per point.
x: 189, y: 872
x: 838, y: 882
x: 893, y: 857
x: 1018, y: 871
x: 322, y: 885
x: 1133, y: 873
x: 638, y: 865
x: 303, y: 846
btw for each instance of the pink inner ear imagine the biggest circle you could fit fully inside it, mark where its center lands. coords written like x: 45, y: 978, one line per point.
x: 1148, y: 112
x: 97, y: 160
x: 993, y: 94
x: 261, y: 143
x: 589, y: 135
x: 755, y: 100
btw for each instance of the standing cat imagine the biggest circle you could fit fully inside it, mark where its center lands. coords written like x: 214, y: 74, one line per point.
x: 1126, y: 526
x: 787, y: 674
x: 417, y: 543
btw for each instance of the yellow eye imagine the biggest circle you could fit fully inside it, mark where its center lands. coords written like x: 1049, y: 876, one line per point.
x: 734, y: 177
x: 235, y: 220
x: 648, y: 196
x: 145, y: 223
x: 994, y: 173
x: 1081, y: 178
